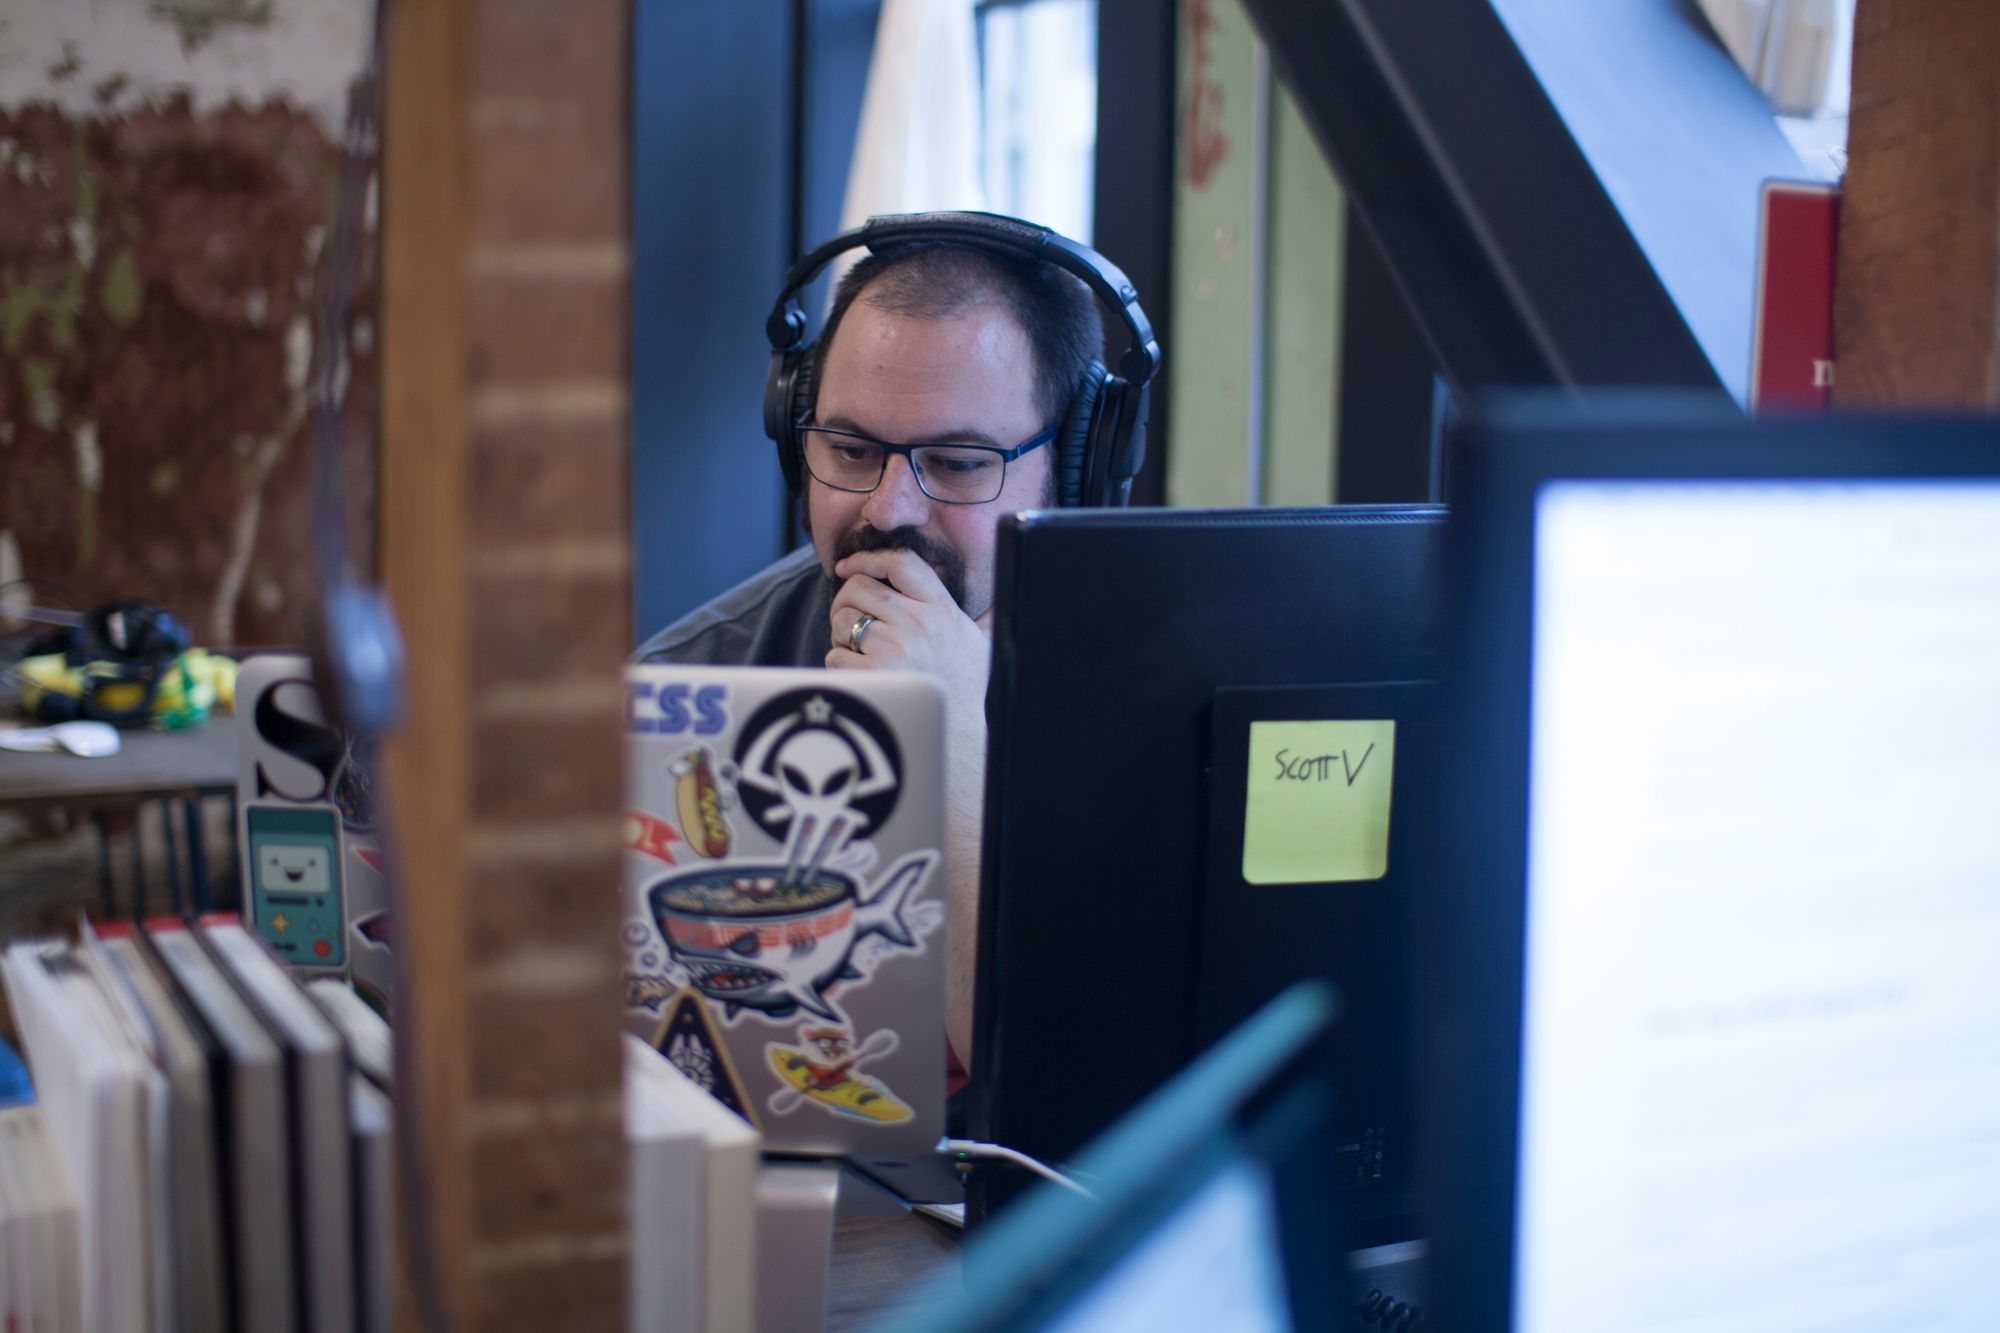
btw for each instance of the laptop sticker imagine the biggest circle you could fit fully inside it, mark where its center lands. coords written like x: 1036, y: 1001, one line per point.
x: 823, y: 1069
x: 814, y: 763
x: 784, y: 887
x: 649, y: 835
x: 816, y: 771
x: 698, y: 801
x: 693, y: 1046
x: 651, y: 988
x: 779, y: 938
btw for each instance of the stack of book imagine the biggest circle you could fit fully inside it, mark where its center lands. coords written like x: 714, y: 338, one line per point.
x: 209, y: 1149
x: 202, y: 1153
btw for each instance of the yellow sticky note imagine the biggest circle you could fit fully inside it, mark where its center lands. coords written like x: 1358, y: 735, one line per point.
x: 1318, y: 802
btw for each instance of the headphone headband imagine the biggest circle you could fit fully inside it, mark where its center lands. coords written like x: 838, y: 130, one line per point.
x: 991, y: 232
x: 1101, y: 439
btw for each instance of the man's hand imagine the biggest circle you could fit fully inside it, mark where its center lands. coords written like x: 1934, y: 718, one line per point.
x: 918, y: 627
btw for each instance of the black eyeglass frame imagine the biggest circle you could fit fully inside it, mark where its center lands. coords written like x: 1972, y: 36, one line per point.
x: 908, y: 453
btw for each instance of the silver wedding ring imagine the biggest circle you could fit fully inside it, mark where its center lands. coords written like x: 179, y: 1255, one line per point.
x: 855, y: 635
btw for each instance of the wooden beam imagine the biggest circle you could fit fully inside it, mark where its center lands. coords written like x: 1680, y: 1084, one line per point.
x: 1917, y: 296
x: 422, y: 460
x: 506, y: 553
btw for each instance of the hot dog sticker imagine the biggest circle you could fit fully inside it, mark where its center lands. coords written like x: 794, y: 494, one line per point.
x: 698, y: 801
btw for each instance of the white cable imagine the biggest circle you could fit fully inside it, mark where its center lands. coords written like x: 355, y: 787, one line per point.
x: 964, y: 1148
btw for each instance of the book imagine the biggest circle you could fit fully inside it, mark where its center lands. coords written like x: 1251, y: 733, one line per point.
x: 665, y: 1165
x: 254, y: 1113
x: 315, y: 1062
x: 98, y: 1094
x: 372, y: 1124
x: 723, y: 1241
x: 194, y: 1066
x: 136, y: 1033
x: 363, y: 1027
x: 44, y: 1283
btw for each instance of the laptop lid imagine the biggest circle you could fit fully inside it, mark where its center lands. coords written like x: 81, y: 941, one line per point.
x: 785, y: 899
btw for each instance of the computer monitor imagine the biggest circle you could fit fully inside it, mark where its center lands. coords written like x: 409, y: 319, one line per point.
x: 1182, y: 710
x: 1724, y: 1039
x: 1215, y: 1206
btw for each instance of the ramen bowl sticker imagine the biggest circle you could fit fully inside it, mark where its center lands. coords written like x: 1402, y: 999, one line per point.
x: 777, y: 939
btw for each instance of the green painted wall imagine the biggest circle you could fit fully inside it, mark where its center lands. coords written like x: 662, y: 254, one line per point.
x: 1213, y: 167
x: 1307, y: 248
x: 1234, y: 279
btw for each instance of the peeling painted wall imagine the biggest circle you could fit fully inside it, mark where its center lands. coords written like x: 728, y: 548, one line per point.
x: 167, y: 173
x: 1259, y: 228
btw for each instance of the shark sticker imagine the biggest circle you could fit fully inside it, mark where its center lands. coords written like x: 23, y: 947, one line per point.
x: 778, y: 938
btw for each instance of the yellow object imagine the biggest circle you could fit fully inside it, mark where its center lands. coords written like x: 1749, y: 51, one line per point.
x: 1317, y: 808
x: 196, y: 683
x: 856, y: 1095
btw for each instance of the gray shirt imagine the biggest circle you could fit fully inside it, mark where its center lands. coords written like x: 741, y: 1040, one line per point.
x: 777, y: 617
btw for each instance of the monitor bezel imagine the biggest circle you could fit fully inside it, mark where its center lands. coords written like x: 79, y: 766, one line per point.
x: 1080, y: 563
x: 1502, y: 457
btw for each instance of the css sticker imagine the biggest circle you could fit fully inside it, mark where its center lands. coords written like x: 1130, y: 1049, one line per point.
x: 676, y: 709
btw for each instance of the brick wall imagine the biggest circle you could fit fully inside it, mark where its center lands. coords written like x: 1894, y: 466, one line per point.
x: 506, y: 545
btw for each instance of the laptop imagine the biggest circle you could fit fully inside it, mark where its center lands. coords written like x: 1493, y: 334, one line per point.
x: 784, y: 883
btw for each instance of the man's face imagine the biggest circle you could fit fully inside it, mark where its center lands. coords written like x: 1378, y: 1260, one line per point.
x: 968, y: 379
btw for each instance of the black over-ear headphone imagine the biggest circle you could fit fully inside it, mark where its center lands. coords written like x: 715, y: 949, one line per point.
x: 1102, y: 439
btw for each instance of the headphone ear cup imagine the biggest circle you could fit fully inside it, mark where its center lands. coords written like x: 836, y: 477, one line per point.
x: 1073, y: 443
x: 1120, y: 448
x: 803, y: 394
x: 787, y: 397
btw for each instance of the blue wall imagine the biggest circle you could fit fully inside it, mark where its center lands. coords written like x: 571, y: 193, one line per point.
x: 716, y: 210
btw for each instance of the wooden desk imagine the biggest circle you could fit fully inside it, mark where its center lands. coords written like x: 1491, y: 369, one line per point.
x: 879, y: 1263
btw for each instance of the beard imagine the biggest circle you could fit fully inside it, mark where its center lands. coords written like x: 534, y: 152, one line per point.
x: 948, y: 564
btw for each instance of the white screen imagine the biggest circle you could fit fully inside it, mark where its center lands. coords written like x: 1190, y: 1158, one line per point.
x: 1212, y: 1264
x: 1761, y: 1079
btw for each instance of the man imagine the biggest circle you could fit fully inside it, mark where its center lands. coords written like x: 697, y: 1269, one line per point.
x: 943, y: 377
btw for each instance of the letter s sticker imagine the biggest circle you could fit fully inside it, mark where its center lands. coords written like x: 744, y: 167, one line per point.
x: 673, y: 709
x: 708, y: 708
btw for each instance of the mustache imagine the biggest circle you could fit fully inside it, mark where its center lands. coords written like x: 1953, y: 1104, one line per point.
x: 950, y: 566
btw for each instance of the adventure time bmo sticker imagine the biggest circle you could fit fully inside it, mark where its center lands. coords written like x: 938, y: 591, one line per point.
x: 764, y: 893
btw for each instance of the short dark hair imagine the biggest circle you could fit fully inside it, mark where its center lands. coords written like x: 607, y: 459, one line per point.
x: 938, y: 280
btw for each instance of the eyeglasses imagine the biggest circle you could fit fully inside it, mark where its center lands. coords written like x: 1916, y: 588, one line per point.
x: 953, y: 474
